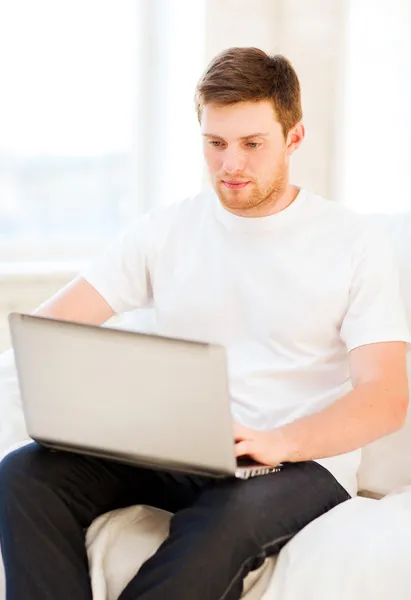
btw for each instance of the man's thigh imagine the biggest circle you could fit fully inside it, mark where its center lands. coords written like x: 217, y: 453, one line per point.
x: 90, y: 485
x: 231, y: 528
x: 263, y: 513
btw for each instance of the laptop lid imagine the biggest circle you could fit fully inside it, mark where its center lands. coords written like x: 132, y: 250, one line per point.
x: 140, y: 398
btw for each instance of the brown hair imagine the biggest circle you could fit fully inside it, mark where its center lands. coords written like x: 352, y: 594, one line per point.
x: 251, y: 75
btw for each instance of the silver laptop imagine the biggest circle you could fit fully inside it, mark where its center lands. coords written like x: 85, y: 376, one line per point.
x: 141, y: 399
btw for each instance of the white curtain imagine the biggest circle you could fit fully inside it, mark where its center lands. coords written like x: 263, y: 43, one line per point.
x: 171, y: 58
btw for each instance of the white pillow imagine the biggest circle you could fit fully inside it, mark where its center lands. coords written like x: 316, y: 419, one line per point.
x: 13, y: 431
x: 118, y: 543
x: 358, y: 551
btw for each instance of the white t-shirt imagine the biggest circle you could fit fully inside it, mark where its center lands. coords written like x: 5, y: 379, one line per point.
x: 288, y: 295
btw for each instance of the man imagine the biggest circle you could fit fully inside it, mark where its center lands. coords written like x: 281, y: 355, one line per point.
x: 304, y: 296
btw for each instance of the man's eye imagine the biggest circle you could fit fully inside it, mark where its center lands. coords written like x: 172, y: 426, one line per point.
x: 253, y: 144
x: 215, y: 143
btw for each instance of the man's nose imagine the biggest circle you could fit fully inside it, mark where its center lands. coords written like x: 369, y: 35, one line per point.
x: 233, y: 161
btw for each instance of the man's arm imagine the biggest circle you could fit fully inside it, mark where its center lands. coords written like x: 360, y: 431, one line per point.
x: 78, y: 301
x: 375, y: 407
x: 116, y: 282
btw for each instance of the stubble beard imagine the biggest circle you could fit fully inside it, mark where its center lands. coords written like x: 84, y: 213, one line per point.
x: 260, y: 200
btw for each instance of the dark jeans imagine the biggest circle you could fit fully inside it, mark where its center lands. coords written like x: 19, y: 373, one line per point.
x: 221, y: 529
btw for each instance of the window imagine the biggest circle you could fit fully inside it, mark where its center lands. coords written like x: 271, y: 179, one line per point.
x: 95, y: 110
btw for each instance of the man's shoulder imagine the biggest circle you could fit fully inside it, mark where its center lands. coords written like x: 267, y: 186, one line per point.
x: 332, y: 209
x: 187, y: 210
x: 358, y: 234
x: 337, y: 218
x: 159, y: 221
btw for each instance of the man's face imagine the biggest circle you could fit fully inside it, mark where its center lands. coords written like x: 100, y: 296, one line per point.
x: 246, y: 154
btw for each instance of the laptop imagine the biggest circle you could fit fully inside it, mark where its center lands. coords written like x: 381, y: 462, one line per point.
x: 141, y: 399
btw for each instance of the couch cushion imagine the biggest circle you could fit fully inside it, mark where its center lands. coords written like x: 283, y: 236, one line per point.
x: 358, y: 551
x: 119, y: 542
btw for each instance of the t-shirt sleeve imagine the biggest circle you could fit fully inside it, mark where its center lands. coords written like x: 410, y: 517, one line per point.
x: 121, y: 274
x: 375, y: 310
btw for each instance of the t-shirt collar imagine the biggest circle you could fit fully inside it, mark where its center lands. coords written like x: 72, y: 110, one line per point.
x: 235, y: 222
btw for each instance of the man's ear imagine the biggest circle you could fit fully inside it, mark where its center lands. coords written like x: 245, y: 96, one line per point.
x: 295, y: 137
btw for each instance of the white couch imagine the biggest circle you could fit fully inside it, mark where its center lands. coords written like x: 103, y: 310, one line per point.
x: 358, y: 551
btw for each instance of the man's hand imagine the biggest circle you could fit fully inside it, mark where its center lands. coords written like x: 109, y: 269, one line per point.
x: 266, y: 447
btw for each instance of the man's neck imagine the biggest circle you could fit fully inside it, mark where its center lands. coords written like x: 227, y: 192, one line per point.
x: 270, y: 208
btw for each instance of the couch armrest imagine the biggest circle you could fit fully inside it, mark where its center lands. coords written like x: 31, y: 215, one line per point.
x: 369, y: 494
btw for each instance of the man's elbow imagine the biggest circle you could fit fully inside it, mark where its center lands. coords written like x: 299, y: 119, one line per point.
x: 400, y: 410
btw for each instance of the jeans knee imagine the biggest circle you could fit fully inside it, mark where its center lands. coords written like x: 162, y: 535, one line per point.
x: 15, y: 471
x: 229, y: 519
x: 239, y: 511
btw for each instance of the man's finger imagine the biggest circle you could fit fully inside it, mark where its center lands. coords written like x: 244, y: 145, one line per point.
x: 241, y: 432
x: 242, y: 448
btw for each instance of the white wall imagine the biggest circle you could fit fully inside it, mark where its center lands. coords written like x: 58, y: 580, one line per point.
x: 375, y: 142
x: 311, y: 34
x: 22, y: 292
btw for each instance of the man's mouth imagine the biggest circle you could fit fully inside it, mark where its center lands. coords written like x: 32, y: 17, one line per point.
x: 235, y: 185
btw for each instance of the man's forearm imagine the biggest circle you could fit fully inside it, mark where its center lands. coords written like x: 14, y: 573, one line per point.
x: 368, y: 412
